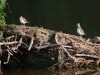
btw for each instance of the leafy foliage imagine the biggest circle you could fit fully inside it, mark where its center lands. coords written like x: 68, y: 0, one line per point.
x: 2, y: 14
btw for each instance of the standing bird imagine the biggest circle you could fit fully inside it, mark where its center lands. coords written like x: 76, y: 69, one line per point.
x: 23, y: 20
x: 80, y: 30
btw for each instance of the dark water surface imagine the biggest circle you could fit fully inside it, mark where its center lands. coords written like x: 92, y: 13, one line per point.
x: 59, y: 15
x: 46, y: 72
x: 26, y: 72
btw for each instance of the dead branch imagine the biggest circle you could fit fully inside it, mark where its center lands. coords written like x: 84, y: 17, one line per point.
x: 32, y: 39
x: 19, y: 43
x: 86, y: 55
x: 10, y: 37
x: 8, y: 58
x: 9, y: 43
x: 69, y: 47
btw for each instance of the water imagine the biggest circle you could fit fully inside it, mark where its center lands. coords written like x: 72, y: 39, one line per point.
x: 59, y: 15
x: 46, y: 72
x: 26, y: 72
x: 42, y: 67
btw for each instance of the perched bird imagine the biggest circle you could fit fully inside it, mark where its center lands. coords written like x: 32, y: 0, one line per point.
x: 80, y: 30
x: 98, y: 37
x: 97, y: 40
x: 23, y: 20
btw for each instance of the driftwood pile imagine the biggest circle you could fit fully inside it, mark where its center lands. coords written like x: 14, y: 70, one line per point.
x: 71, y: 49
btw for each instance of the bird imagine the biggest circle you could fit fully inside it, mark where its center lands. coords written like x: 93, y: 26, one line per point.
x: 98, y: 37
x: 80, y: 31
x: 23, y: 20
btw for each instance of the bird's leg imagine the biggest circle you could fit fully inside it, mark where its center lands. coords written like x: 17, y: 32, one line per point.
x: 81, y: 37
x: 24, y: 24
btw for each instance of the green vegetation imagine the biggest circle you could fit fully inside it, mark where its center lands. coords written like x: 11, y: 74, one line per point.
x: 2, y: 14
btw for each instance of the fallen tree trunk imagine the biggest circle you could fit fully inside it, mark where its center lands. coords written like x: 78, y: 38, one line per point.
x: 71, y: 49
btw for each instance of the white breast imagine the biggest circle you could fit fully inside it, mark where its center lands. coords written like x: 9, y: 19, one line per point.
x: 79, y: 31
x: 22, y: 21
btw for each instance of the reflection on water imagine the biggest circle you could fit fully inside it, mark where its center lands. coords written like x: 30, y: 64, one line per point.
x: 81, y: 71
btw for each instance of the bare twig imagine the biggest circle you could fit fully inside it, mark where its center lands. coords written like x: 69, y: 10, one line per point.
x: 19, y: 43
x: 9, y: 43
x: 86, y: 55
x: 10, y: 37
x: 31, y: 43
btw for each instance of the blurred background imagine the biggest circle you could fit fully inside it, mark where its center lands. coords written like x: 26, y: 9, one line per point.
x: 59, y: 15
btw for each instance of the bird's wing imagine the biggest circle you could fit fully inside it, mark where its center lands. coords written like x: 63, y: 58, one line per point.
x: 25, y: 20
x: 82, y: 31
